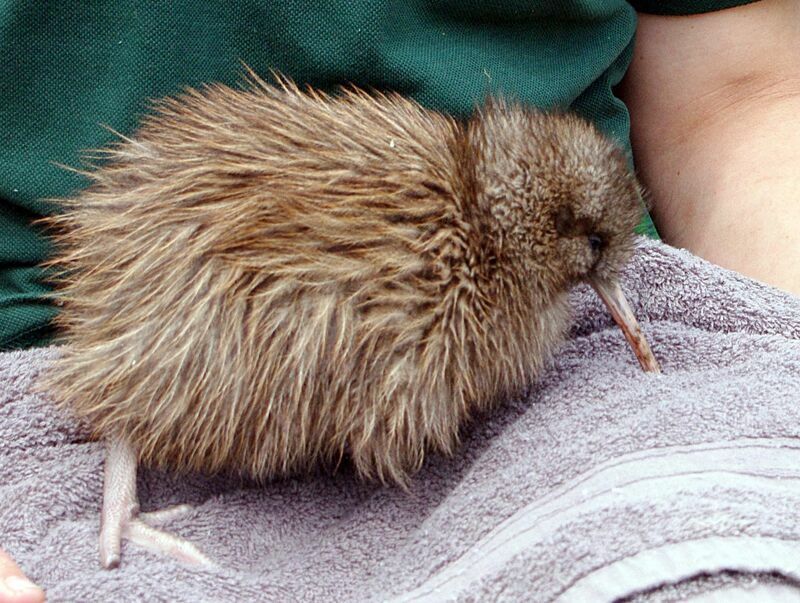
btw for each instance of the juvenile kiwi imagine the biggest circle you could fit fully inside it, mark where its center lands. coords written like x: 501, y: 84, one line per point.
x: 268, y: 279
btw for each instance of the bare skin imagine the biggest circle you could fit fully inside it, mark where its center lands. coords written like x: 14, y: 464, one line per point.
x: 14, y: 586
x: 715, y: 107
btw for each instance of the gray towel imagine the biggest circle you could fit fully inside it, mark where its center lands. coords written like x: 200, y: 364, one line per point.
x: 601, y: 483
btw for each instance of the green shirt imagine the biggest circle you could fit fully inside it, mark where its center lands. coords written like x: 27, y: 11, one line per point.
x: 70, y: 66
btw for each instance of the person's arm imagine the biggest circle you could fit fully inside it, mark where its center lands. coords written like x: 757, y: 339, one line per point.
x: 715, y: 125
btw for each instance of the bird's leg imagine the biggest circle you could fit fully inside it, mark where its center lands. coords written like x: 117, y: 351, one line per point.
x: 121, y: 517
x: 119, y: 499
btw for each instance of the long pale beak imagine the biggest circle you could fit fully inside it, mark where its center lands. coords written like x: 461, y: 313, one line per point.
x: 613, y: 297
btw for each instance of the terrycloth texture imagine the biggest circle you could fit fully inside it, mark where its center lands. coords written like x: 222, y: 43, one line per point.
x: 602, y: 483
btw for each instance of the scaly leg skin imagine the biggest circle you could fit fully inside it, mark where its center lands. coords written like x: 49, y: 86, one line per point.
x: 121, y: 517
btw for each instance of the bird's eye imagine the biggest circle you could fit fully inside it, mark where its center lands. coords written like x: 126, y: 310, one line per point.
x: 595, y: 242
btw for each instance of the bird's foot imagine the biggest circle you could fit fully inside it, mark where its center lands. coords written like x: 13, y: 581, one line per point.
x: 142, y: 529
x: 122, y: 520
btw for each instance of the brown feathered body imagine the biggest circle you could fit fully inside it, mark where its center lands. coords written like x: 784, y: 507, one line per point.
x: 267, y: 279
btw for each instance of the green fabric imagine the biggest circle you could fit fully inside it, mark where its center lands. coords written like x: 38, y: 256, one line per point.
x: 70, y: 66
x: 685, y: 7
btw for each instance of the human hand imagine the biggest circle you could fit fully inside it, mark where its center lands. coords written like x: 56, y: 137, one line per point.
x: 14, y: 586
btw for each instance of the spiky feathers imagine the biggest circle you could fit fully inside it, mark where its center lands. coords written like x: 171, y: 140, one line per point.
x: 267, y: 279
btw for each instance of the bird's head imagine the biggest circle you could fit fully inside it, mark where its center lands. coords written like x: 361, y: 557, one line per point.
x: 557, y: 200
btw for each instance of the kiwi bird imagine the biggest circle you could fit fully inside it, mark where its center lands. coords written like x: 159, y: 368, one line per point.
x: 268, y: 279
